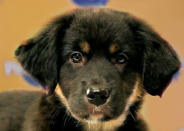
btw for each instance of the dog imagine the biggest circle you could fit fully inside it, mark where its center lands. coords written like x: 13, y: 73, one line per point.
x: 96, y: 65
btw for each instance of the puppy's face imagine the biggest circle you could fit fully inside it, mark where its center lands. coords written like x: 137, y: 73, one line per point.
x: 98, y: 73
x: 99, y: 58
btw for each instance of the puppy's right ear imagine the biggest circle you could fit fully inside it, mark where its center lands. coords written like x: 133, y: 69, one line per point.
x: 39, y: 55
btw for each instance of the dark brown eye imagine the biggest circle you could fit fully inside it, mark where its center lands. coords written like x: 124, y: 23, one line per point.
x: 76, y: 57
x: 121, y: 58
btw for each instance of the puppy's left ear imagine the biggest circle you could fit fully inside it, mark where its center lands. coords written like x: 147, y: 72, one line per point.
x: 39, y: 55
x: 159, y: 62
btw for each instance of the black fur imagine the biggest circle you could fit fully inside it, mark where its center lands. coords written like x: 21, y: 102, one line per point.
x: 47, y: 58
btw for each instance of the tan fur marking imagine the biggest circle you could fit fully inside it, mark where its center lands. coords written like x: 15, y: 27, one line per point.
x: 85, y: 47
x: 113, y: 48
x: 59, y: 92
x: 137, y: 94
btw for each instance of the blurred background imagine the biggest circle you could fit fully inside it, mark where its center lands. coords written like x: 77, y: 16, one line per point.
x: 22, y: 19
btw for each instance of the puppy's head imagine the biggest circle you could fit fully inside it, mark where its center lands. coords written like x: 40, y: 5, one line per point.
x: 102, y: 59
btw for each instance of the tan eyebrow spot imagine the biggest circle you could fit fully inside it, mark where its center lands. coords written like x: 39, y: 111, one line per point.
x: 85, y: 47
x: 113, y: 48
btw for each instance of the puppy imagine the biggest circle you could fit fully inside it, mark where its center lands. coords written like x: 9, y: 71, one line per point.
x: 96, y: 65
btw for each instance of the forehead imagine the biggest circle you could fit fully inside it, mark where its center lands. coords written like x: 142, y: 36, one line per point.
x: 99, y: 29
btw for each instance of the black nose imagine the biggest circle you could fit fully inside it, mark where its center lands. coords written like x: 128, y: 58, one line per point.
x: 97, y: 96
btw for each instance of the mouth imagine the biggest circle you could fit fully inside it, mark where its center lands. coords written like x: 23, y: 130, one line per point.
x: 95, y: 117
x: 97, y: 113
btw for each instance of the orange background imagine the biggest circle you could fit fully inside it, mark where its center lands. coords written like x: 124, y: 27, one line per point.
x: 21, y: 19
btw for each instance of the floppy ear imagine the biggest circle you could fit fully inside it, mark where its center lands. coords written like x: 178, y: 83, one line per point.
x: 39, y: 55
x: 159, y: 62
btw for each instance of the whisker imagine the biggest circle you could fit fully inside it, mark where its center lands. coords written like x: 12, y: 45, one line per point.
x: 65, y: 119
x: 132, y: 115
